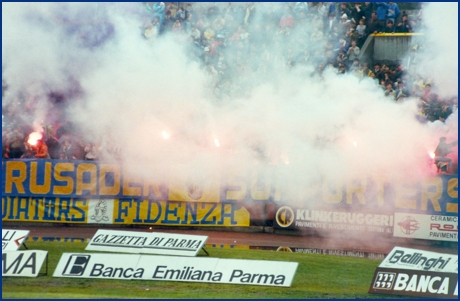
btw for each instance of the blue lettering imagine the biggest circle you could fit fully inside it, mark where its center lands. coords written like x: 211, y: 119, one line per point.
x: 50, y: 210
x: 138, y: 209
x: 230, y: 215
x: 122, y: 210
x: 193, y: 211
x: 169, y: 211
x: 24, y: 209
x: 204, y: 221
x: 75, y: 206
x: 149, y: 212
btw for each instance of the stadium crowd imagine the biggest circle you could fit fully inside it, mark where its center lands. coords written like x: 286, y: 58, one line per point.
x: 242, y: 44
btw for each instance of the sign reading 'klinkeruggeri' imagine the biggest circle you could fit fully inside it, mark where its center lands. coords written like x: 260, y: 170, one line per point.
x: 170, y: 268
x: 146, y: 242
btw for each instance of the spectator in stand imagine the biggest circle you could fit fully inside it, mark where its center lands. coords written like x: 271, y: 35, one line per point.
x: 250, y: 13
x: 381, y: 12
x: 40, y: 150
x: 177, y: 27
x: 190, y: 12
x: 53, y: 144
x: 330, y: 23
x: 180, y: 14
x: 365, y: 72
x: 368, y: 9
x: 195, y: 33
x: 322, y: 11
x: 404, y: 26
x: 331, y: 9
x: 361, y: 30
x: 441, y: 152
x: 341, y: 45
x: 300, y: 8
x: 168, y: 22
x: 344, y: 25
x: 159, y: 10
x: 444, y: 112
x: 389, y: 91
x: 68, y: 150
x: 353, y: 51
x: 357, y: 13
x: 392, y: 12
x: 91, y: 152
x: 287, y: 20
x: 16, y: 144
x: 401, y: 92
x: 389, y: 28
x: 343, y: 10
x: 373, y: 25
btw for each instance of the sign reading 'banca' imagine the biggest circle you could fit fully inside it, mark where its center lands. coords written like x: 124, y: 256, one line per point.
x: 418, y: 273
x: 146, y: 243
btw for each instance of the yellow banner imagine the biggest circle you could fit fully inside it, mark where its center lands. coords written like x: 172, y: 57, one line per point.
x: 136, y: 211
x: 123, y: 211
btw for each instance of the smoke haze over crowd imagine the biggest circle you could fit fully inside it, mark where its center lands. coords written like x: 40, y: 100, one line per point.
x: 156, y: 106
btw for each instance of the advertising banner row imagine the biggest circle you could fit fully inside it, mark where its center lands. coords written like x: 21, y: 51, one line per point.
x: 398, y: 224
x: 96, y: 180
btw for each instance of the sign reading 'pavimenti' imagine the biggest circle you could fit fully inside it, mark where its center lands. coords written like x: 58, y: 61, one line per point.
x: 146, y: 242
x: 169, y: 268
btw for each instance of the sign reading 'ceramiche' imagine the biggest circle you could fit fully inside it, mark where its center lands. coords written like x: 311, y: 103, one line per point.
x: 168, y: 268
x: 148, y: 243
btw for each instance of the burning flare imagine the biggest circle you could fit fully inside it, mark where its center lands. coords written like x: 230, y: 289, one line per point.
x: 165, y: 135
x: 34, y: 137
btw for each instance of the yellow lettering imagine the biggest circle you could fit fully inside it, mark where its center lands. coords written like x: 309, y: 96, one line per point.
x: 11, y: 180
x: 34, y: 187
x: 432, y: 196
x: 260, y: 195
x: 452, y: 191
x: 68, y: 187
x: 91, y: 186
x: 402, y: 193
x: 332, y: 196
x: 147, y: 187
x: 104, y: 169
x: 129, y: 190
x: 236, y: 195
x: 357, y: 190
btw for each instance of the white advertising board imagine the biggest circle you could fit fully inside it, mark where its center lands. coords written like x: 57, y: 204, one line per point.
x: 22, y: 263
x: 146, y: 243
x: 422, y: 226
x: 413, y: 259
x: 168, y: 268
x: 13, y: 239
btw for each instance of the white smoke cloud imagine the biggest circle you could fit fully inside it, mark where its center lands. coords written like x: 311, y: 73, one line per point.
x: 440, y: 63
x: 335, y: 127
